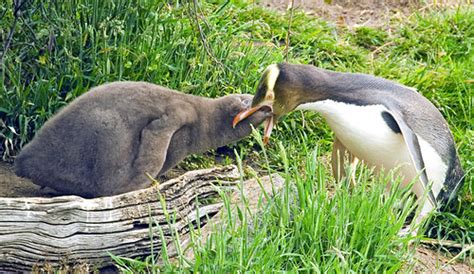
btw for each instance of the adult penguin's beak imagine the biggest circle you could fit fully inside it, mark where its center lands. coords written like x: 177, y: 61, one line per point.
x: 268, y: 129
x: 264, y: 97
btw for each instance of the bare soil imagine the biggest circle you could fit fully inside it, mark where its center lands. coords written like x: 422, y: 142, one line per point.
x: 373, y: 13
x: 14, y: 186
x: 431, y: 261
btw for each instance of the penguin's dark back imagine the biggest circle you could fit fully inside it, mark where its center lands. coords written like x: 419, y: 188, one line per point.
x: 454, y: 182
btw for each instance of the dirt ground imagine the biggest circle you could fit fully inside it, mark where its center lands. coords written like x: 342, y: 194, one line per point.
x: 353, y: 13
x: 431, y: 261
x: 13, y: 186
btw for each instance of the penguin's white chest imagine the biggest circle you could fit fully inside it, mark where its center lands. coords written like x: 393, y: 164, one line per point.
x: 364, y: 132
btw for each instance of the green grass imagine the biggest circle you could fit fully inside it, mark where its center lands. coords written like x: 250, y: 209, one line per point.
x: 61, y: 49
x: 307, y: 227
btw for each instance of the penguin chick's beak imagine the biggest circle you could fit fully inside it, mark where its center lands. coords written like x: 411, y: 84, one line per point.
x: 268, y: 122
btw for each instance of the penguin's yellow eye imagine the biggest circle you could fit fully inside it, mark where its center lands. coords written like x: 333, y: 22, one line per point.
x: 270, y: 96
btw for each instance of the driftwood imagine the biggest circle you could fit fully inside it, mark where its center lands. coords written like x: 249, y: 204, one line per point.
x: 70, y: 230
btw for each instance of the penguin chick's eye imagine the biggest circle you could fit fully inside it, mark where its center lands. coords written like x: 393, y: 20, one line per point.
x: 246, y: 102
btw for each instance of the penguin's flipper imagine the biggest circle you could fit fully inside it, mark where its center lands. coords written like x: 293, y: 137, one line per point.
x: 152, y: 152
x: 415, y: 151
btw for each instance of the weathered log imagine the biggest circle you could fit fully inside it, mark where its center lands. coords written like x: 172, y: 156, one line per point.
x: 70, y: 230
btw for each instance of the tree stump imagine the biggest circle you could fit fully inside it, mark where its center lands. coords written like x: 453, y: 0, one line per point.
x: 70, y: 230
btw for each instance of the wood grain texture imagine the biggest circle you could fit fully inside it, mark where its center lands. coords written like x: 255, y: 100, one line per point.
x: 70, y: 230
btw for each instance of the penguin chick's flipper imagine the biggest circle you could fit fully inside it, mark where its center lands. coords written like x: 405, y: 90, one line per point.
x: 151, y: 155
x: 414, y: 149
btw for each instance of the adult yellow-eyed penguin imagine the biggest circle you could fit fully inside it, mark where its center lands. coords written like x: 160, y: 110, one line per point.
x: 383, y: 123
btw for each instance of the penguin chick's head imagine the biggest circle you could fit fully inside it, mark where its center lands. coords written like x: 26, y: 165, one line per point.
x: 230, y: 106
x: 279, y: 99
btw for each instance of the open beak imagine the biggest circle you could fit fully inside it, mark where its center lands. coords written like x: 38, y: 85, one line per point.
x: 268, y: 122
x: 268, y: 129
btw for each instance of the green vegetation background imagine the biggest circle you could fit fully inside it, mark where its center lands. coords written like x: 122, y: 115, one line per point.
x: 60, y: 49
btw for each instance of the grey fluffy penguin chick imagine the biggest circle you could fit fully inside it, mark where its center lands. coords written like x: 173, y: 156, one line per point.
x: 106, y: 140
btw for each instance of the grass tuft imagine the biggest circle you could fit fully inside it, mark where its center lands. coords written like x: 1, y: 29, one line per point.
x: 311, y: 225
